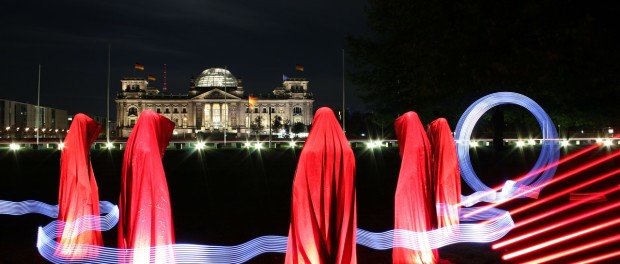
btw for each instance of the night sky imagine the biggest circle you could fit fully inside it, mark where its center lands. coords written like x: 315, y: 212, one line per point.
x: 258, y: 41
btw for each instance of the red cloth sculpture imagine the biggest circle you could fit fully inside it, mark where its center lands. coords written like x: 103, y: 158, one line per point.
x: 446, y: 174
x: 78, y: 193
x: 414, y: 205
x: 323, y: 212
x: 145, y: 211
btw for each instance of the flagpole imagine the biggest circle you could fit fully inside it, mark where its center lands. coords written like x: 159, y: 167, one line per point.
x: 225, y: 120
x: 38, y: 121
x: 343, y: 107
x: 107, y: 120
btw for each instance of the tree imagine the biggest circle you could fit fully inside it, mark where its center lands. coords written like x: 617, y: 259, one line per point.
x: 257, y: 126
x: 277, y: 124
x: 438, y: 57
x: 298, y: 127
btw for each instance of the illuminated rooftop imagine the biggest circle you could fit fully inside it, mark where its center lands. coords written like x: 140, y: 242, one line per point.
x: 216, y: 77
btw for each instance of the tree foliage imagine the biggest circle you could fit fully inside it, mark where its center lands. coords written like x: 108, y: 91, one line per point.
x: 438, y: 57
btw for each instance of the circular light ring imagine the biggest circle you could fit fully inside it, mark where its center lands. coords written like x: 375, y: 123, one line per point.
x: 549, y: 153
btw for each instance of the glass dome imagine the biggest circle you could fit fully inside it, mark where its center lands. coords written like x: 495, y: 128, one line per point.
x: 216, y: 77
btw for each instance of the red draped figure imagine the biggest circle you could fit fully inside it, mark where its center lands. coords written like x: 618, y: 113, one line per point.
x: 323, y: 212
x: 78, y: 193
x: 445, y: 171
x: 145, y: 211
x: 414, y: 205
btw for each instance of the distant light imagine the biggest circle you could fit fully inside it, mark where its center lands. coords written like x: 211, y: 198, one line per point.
x: 599, y: 140
x: 8, y: 128
x: 109, y: 145
x: 56, y: 130
x: 27, y: 129
x: 577, y: 142
x: 200, y: 145
x: 291, y: 144
x: 248, y: 144
x: 175, y: 132
x: 610, y: 130
x: 258, y: 145
x: 36, y: 129
x: 565, y: 143
x: 608, y: 142
x: 14, y: 146
x: 520, y: 143
x: 473, y: 144
x: 363, y: 135
x: 531, y: 142
x: 61, y: 146
x: 43, y: 129
x: 374, y: 144
x: 487, y: 143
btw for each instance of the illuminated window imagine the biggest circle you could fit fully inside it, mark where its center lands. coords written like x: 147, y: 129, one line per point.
x: 132, y: 111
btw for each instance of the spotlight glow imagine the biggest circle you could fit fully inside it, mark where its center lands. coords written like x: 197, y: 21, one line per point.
x: 200, y: 145
x: 61, y: 146
x: 258, y: 145
x: 109, y: 145
x: 473, y: 144
x: 531, y: 142
x: 14, y: 146
x: 520, y: 143
x: 292, y: 144
x: 248, y: 144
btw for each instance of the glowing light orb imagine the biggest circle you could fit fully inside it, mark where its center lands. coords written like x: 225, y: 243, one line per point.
x: 14, y: 146
x: 200, y: 145
x: 549, y: 153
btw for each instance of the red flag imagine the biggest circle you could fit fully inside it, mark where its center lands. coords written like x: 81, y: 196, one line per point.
x: 299, y: 67
x: 139, y: 66
x: 151, y: 78
x: 252, y: 101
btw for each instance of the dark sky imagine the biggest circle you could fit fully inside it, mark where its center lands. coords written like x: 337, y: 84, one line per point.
x: 257, y: 41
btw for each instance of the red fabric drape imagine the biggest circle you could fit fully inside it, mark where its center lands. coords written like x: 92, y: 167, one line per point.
x: 78, y: 193
x: 414, y: 205
x: 145, y: 211
x: 323, y: 213
x: 446, y: 174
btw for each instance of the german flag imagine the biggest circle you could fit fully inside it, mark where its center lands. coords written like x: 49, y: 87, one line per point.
x: 139, y: 66
x: 151, y: 78
x: 299, y: 67
x: 252, y: 101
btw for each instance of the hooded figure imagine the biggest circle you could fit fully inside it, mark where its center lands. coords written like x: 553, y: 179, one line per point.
x: 145, y: 211
x: 78, y: 193
x: 323, y: 212
x: 414, y: 205
x: 446, y: 174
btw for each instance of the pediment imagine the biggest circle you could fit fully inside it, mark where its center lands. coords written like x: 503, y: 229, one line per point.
x: 216, y: 94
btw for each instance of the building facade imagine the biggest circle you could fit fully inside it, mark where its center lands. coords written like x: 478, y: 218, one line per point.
x: 20, y: 119
x: 216, y: 102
